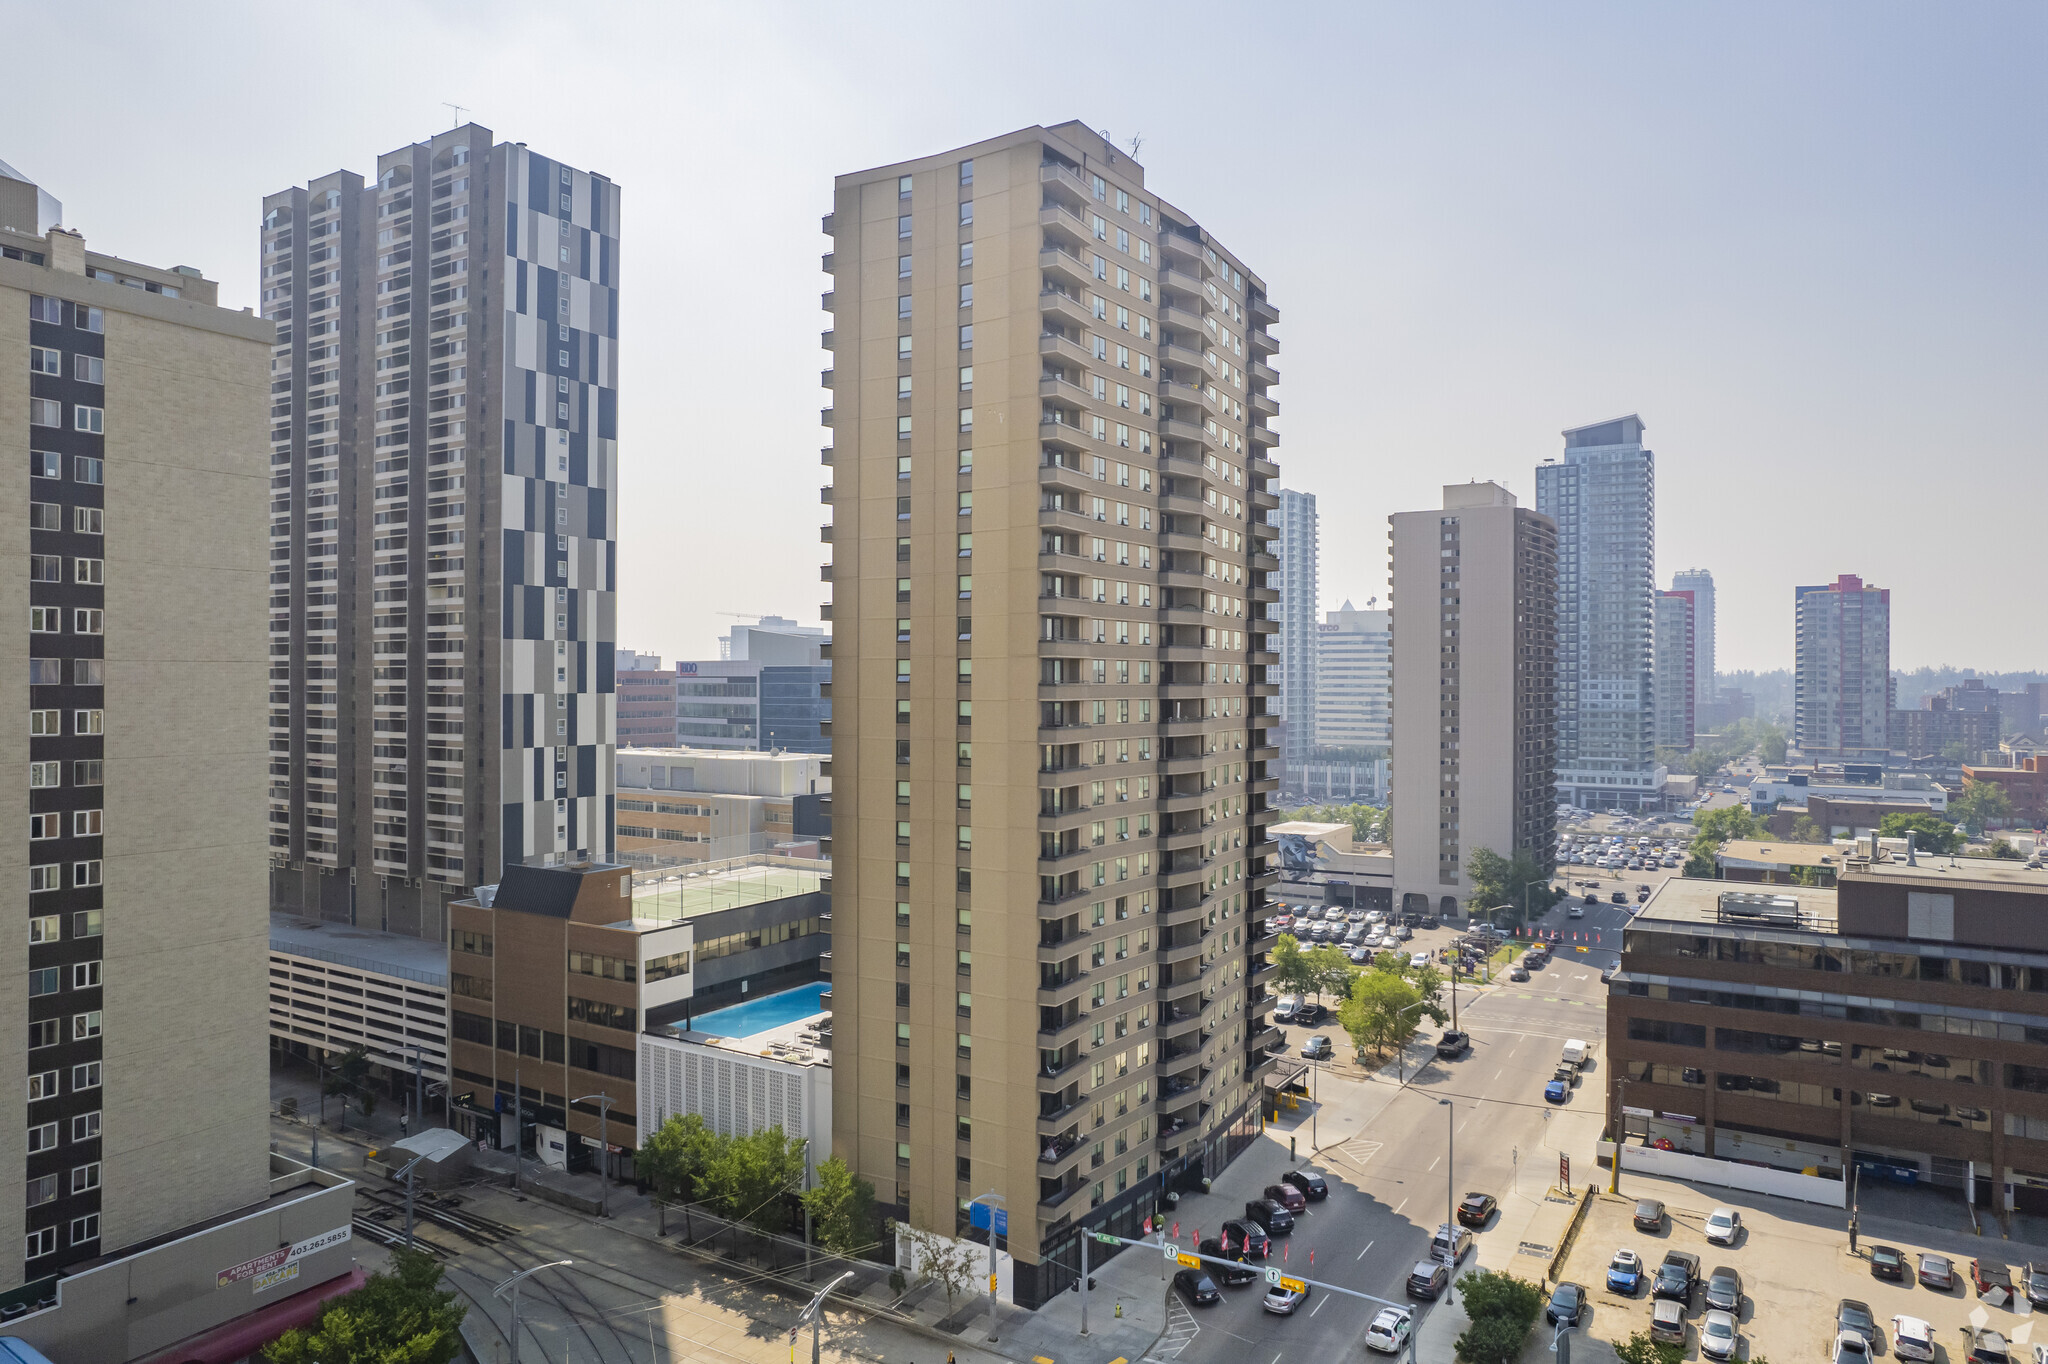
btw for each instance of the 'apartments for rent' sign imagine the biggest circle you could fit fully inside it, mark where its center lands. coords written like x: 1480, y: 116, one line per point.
x: 281, y: 1265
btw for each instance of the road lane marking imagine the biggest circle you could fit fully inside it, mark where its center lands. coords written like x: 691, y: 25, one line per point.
x: 1318, y: 1307
x: 1434, y: 1163
x: 1403, y: 1204
x: 1368, y: 1246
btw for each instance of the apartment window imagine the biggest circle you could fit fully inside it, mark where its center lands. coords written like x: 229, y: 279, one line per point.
x: 45, y: 723
x: 45, y: 980
x: 86, y: 1228
x: 42, y: 1137
x: 88, y: 722
x: 902, y: 348
x: 903, y: 428
x: 85, y: 1126
x: 903, y: 305
x: 45, y: 928
x: 88, y: 620
x: 903, y: 386
x: 89, y: 521
x: 85, y: 923
x: 967, y: 171
x: 42, y: 1086
x: 45, y: 774
x: 903, y: 227
x: 46, y: 876
x: 85, y: 975
x: 967, y: 213
x: 966, y: 255
x: 86, y: 823
x: 84, y: 772
x: 967, y: 337
x: 87, y: 369
x: 45, y: 412
x: 93, y: 571
x: 85, y: 1026
x: 43, y: 360
x: 41, y: 309
x: 45, y: 515
x: 966, y: 378
x: 966, y: 423
x: 967, y: 295
x: 42, y: 1241
x: 85, y: 1177
x: 45, y: 464
x: 43, y: 1033
x: 93, y: 419
x: 86, y: 873
x: 86, y: 1076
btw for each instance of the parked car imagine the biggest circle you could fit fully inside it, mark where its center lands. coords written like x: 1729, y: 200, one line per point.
x: 1985, y: 1276
x: 1390, y: 1329
x: 1249, y: 1237
x: 1988, y: 1347
x: 1717, y: 1335
x: 1450, y: 1244
x: 1667, y: 1322
x: 1886, y: 1262
x: 1649, y: 1215
x: 1723, y: 1225
x: 1937, y: 1272
x: 2036, y: 1281
x: 1476, y: 1208
x: 1625, y: 1272
x: 1282, y: 1300
x: 1912, y: 1339
x: 1556, y: 1092
x: 1310, y: 1013
x: 1198, y: 1287
x: 1677, y: 1276
x: 1724, y: 1290
x: 1317, y: 1048
x: 1851, y: 1315
x: 1428, y: 1280
x: 1229, y: 1275
x: 1283, y: 1012
x: 1287, y: 1196
x: 1620, y: 897
x: 1274, y: 1217
x: 1310, y: 1183
x: 1567, y: 1304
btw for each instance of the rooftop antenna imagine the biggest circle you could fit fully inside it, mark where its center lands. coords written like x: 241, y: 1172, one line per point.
x: 459, y: 109
x: 1137, y: 141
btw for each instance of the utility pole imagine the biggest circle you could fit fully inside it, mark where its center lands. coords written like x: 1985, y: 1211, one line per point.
x: 419, y: 1092
x: 815, y: 1313
x: 518, y: 1127
x: 1855, y: 1203
x: 408, y: 1173
x: 604, y: 1145
x: 1450, y: 1167
x: 513, y: 1284
x: 1621, y: 1134
x: 1086, y: 1237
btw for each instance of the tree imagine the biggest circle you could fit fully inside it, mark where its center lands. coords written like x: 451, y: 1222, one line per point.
x: 2002, y: 849
x: 1502, y: 1308
x: 1715, y: 827
x: 1770, y: 745
x: 1931, y: 833
x: 1957, y: 752
x: 1332, y: 969
x: 842, y: 1209
x: 1384, y: 1010
x: 400, y: 1316
x: 951, y: 1262
x: 1640, y: 1349
x: 1498, y: 880
x: 1804, y: 830
x: 674, y: 1158
x: 750, y: 1178
x: 1982, y: 803
x: 1293, y: 973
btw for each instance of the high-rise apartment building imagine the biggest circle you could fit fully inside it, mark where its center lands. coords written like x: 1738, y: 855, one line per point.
x: 131, y: 411
x: 1698, y: 581
x: 646, y: 700
x: 1051, y: 474
x: 1475, y: 684
x: 1676, y: 676
x: 1354, y: 680
x: 1299, y: 552
x: 1603, y: 497
x: 1842, y: 670
x: 444, y: 475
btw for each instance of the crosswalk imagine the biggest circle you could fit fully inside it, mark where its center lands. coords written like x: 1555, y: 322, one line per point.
x: 1181, y: 1329
x: 1359, y: 1150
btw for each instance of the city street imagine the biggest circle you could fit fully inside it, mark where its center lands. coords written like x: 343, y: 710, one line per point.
x: 1393, y: 1156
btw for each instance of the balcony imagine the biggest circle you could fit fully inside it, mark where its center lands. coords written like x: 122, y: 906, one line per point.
x: 1263, y: 374
x: 1264, y: 406
x: 1186, y: 433
x: 1058, y: 434
x: 1053, y: 1192
x: 1064, y: 184
x: 1180, y: 319
x: 1181, y: 282
x: 825, y: 339
x: 1068, y: 309
x: 1066, y: 268
x: 1262, y: 343
x: 827, y: 223
x: 825, y: 416
x: 1053, y: 344
x: 1177, y: 246
x: 824, y: 378
x: 1060, y: 220
x: 1263, y: 311
x: 1181, y: 356
x: 1058, y: 1148
x: 825, y: 300
x: 1263, y: 438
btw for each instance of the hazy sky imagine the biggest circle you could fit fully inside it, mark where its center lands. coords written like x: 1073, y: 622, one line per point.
x: 1805, y: 242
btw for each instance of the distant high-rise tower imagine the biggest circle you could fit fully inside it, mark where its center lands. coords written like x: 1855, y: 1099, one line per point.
x: 1603, y: 497
x: 1698, y: 581
x: 1841, y: 680
x: 1475, y: 685
x: 444, y: 502
x: 1675, y: 674
x: 1296, y: 612
x: 1051, y: 747
x: 1354, y: 683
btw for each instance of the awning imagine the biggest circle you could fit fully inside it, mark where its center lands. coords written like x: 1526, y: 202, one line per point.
x: 242, y: 1337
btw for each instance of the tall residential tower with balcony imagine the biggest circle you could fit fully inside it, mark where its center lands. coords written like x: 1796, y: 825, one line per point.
x: 1051, y: 476
x: 1299, y: 552
x: 1842, y: 670
x: 444, y: 464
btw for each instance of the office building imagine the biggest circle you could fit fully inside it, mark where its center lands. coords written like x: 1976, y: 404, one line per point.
x: 1842, y: 671
x: 679, y: 805
x: 2025, y: 782
x: 1297, y: 549
x: 1890, y: 1022
x: 1700, y: 582
x: 1936, y: 729
x: 1676, y: 629
x: 774, y: 639
x: 134, y: 407
x: 1603, y: 497
x: 1354, y: 681
x: 647, y: 699
x: 1475, y: 688
x: 444, y: 461
x: 1051, y: 404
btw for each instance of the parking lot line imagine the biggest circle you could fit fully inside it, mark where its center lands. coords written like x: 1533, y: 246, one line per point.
x: 1368, y: 1246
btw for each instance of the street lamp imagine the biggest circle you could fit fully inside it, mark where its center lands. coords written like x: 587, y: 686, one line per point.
x: 604, y: 1145
x: 1541, y: 880
x: 990, y: 1197
x: 407, y: 1173
x: 814, y: 1314
x: 1620, y: 1132
x: 1450, y: 1184
x: 513, y: 1284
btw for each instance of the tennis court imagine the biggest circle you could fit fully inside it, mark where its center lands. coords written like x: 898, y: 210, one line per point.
x: 683, y: 894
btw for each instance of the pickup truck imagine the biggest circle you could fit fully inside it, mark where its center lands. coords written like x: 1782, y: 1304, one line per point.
x: 1677, y: 1277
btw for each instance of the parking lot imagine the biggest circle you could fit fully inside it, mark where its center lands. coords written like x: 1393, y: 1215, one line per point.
x: 1796, y: 1268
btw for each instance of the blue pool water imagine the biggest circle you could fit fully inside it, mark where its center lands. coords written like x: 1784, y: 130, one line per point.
x: 759, y: 1015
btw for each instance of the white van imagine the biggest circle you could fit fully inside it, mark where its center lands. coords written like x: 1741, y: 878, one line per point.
x: 1575, y: 1053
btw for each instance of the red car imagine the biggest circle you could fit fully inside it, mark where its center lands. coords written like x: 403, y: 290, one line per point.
x: 1287, y: 1196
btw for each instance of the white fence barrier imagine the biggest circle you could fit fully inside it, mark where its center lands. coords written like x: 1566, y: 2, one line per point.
x: 1729, y: 1174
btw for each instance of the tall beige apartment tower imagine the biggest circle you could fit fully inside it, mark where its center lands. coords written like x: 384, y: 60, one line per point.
x: 1051, y: 763
x: 132, y: 433
x: 1475, y: 690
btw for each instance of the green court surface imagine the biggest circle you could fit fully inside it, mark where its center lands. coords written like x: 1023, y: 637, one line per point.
x: 680, y: 895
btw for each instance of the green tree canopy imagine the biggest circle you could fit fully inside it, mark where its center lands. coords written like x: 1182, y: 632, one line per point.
x: 842, y: 1208
x: 1498, y: 880
x: 400, y: 1316
x: 1384, y: 1009
x: 750, y: 1178
x: 1931, y: 833
x: 1332, y: 970
x: 1293, y: 972
x: 676, y: 1154
x: 1982, y: 804
x: 1502, y: 1308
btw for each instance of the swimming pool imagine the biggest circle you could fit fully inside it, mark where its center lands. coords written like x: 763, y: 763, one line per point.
x: 759, y: 1015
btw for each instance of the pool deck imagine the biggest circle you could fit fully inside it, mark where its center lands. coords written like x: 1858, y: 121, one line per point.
x: 794, y: 1047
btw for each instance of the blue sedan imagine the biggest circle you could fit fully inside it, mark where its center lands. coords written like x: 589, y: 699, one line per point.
x: 1556, y: 1091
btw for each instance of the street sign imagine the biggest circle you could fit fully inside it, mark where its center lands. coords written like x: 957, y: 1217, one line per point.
x: 1293, y: 1285
x: 1172, y: 1251
x: 1273, y: 1275
x: 981, y: 1214
x: 1104, y: 1237
x: 1564, y: 1172
x: 1188, y: 1261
